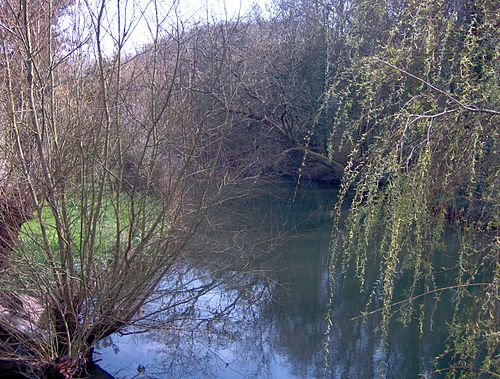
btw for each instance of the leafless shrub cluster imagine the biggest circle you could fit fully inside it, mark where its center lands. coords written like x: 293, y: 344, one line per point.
x: 117, y: 161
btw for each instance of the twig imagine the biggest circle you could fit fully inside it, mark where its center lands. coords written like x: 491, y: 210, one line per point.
x: 463, y: 367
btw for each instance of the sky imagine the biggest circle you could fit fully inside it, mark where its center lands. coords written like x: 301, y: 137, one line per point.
x: 141, y: 13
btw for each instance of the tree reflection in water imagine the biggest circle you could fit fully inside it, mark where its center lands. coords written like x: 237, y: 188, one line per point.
x: 252, y: 303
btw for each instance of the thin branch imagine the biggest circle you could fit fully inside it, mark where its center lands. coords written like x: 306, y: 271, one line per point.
x: 432, y: 86
x: 464, y: 367
x: 413, y: 298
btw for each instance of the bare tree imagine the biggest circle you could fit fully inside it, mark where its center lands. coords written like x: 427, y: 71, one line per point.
x: 110, y: 151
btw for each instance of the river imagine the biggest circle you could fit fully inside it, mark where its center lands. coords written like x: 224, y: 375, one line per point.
x: 277, y: 327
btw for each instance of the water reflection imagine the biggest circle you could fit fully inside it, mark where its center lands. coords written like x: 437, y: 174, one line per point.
x: 276, y: 328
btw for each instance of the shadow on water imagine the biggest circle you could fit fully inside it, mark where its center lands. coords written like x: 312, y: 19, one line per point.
x: 266, y: 317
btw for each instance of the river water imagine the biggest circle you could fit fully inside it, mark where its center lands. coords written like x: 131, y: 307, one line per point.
x: 277, y: 271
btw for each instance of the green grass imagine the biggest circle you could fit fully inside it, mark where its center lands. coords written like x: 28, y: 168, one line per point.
x: 31, y: 238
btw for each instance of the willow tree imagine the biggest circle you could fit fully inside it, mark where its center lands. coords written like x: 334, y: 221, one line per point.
x: 415, y: 93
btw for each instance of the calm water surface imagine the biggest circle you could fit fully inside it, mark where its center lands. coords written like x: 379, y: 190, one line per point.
x: 277, y: 271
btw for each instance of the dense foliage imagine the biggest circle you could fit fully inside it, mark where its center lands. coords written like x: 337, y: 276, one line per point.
x: 417, y: 92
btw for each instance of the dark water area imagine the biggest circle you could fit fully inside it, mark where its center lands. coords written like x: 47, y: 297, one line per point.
x: 276, y: 328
